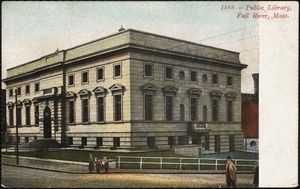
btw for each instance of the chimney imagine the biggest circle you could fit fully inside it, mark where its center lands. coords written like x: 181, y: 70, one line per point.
x: 256, y: 83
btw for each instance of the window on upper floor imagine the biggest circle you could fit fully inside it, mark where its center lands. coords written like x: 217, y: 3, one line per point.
x: 117, y: 70
x: 36, y: 87
x: 148, y: 70
x: 19, y: 90
x: 84, y: 77
x: 11, y: 92
x: 194, y: 76
x: 215, y: 79
x: 71, y: 80
x: 100, y: 74
x: 169, y: 72
x: 27, y: 89
x: 229, y: 80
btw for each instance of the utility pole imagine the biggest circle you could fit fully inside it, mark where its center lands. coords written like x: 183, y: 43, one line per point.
x: 17, y: 129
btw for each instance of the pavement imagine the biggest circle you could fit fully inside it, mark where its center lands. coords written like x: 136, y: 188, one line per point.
x: 82, y: 167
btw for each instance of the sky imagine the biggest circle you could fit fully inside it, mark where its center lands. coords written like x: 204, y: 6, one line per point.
x: 31, y: 30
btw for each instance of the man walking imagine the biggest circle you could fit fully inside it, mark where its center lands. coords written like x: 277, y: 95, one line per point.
x: 230, y: 173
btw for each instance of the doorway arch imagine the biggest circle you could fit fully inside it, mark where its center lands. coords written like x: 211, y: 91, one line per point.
x: 47, y: 122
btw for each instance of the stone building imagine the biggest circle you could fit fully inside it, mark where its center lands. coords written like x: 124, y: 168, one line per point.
x: 130, y: 90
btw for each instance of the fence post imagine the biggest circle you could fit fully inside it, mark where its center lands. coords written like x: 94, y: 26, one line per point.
x: 180, y: 163
x: 216, y: 164
x: 141, y: 163
x: 119, y: 162
x: 199, y: 164
x: 161, y: 162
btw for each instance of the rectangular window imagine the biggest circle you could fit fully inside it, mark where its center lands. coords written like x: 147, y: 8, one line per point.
x: 10, y: 93
x: 215, y: 109
x: 100, y: 109
x: 71, y: 112
x: 19, y: 116
x: 26, y: 139
x: 36, y: 87
x: 11, y: 117
x: 36, y: 114
x: 169, y: 108
x: 193, y: 109
x: 148, y: 70
x: 19, y: 90
x: 71, y: 80
x: 117, y: 70
x: 215, y: 79
x: 229, y: 81
x: 85, y: 110
x: 229, y: 111
x: 85, y: 77
x: 27, y: 89
x: 100, y: 74
x: 28, y: 115
x: 117, y: 108
x: 99, y: 141
x: 169, y: 73
x: 148, y: 107
x: 194, y: 76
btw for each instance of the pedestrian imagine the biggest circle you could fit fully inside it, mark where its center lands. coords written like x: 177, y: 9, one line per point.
x: 91, y: 164
x: 98, y: 164
x: 105, y: 163
x: 230, y: 173
x: 256, y: 173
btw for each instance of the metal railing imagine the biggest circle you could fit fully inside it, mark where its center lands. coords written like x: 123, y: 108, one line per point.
x: 200, y: 164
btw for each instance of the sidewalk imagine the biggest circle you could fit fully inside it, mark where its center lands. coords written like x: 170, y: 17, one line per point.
x: 82, y: 167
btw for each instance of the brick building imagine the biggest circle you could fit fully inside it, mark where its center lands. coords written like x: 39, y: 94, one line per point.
x: 130, y: 90
x: 250, y: 115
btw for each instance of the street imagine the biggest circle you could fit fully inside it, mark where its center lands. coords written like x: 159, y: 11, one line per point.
x: 21, y: 177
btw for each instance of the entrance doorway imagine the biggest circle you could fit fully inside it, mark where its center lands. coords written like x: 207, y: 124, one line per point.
x: 151, y: 142
x: 47, y: 122
x: 217, y: 143
x: 231, y: 143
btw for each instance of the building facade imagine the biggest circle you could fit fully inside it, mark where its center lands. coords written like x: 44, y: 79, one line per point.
x: 130, y: 90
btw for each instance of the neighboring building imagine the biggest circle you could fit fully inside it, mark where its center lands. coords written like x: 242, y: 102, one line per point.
x: 130, y: 90
x: 250, y: 117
